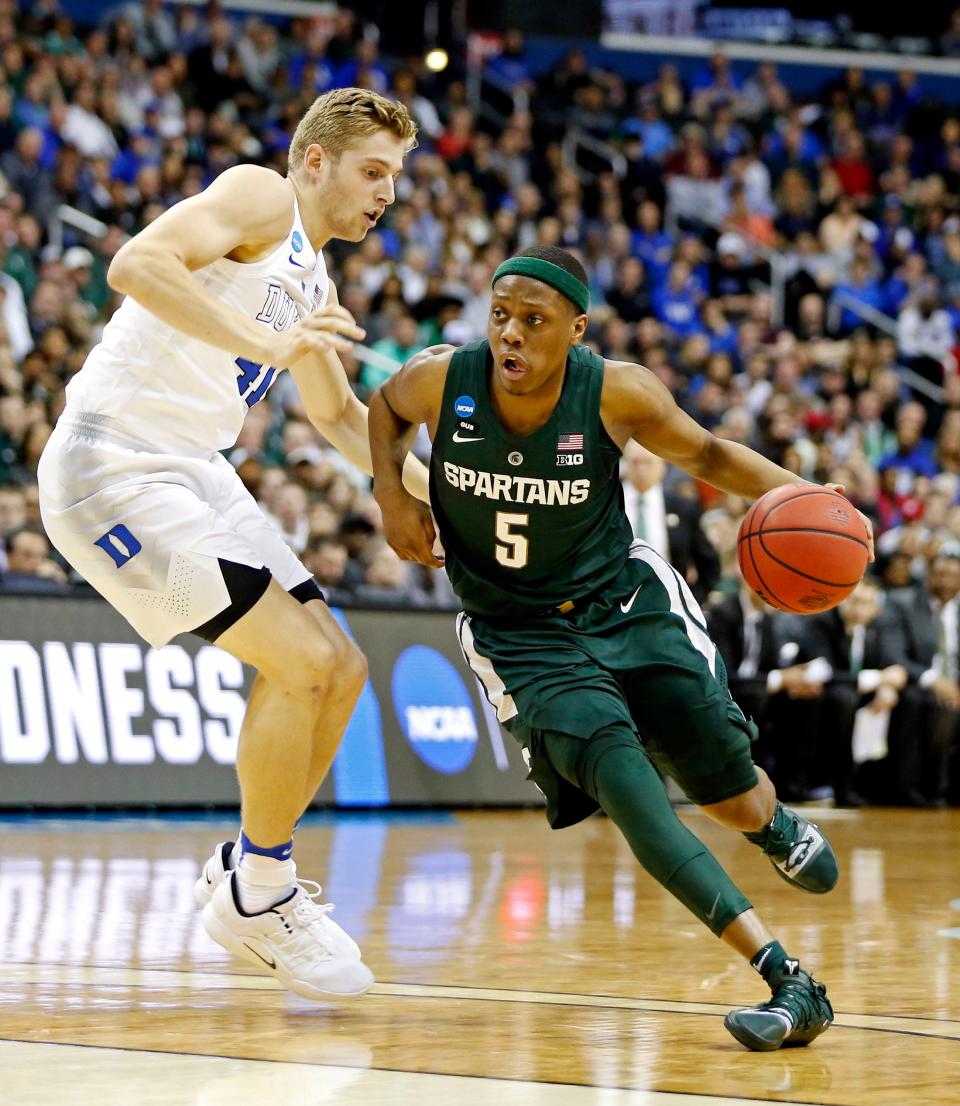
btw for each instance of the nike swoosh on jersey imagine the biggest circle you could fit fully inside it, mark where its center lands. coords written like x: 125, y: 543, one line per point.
x: 457, y: 437
x: 625, y: 607
x: 297, y: 263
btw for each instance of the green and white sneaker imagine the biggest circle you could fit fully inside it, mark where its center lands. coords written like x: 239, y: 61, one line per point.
x: 797, y: 1013
x: 798, y: 851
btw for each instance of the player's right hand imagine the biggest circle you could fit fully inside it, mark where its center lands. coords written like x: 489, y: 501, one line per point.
x: 409, y: 529
x: 332, y: 328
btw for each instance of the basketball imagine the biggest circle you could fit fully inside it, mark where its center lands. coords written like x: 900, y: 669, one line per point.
x: 803, y: 549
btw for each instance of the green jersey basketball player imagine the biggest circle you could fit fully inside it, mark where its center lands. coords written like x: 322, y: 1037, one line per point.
x: 590, y: 646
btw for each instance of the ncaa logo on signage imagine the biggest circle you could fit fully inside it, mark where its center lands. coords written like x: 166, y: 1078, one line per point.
x: 434, y: 709
x: 465, y: 406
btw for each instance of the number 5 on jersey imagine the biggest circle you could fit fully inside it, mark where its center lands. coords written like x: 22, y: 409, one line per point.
x: 512, y: 548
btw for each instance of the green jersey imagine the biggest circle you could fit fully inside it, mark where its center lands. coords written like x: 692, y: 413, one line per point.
x: 527, y: 522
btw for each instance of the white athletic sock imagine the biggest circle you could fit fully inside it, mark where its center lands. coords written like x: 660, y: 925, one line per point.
x: 262, y: 882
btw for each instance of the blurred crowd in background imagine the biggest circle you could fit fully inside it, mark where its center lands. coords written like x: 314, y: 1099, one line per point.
x: 788, y: 265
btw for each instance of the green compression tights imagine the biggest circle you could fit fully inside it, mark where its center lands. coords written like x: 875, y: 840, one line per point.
x: 613, y: 768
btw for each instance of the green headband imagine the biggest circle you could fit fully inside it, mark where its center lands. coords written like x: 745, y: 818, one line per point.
x: 535, y: 267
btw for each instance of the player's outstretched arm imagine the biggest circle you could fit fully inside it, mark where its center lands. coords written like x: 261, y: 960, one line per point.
x: 341, y: 418
x: 636, y: 405
x: 248, y: 209
x: 410, y: 397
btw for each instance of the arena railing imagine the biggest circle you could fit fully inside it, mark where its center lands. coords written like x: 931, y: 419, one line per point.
x: 872, y: 316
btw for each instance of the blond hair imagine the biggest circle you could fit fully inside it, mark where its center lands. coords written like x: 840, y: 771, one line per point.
x: 339, y: 119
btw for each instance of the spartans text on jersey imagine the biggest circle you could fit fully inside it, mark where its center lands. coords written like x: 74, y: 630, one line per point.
x: 517, y: 489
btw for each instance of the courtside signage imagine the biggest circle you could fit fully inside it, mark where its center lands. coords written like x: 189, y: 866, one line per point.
x: 434, y: 709
x: 91, y: 714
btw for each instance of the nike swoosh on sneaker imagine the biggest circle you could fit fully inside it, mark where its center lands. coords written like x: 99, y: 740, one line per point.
x: 458, y: 437
x: 272, y: 964
x: 625, y: 607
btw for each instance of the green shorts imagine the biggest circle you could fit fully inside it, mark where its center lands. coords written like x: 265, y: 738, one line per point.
x: 638, y: 653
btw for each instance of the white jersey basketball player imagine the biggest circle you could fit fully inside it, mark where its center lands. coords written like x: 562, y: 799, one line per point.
x: 225, y: 290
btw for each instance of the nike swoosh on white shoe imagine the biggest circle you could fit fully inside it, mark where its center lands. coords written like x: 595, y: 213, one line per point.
x: 458, y: 437
x: 271, y: 963
x: 625, y: 607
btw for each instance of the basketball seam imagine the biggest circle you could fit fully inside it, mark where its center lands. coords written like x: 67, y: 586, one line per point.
x: 782, y: 606
x: 804, y: 530
x: 753, y: 559
x: 799, y: 572
x: 803, y: 495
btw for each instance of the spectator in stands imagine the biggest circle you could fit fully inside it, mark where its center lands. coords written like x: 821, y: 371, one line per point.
x: 925, y: 336
x: 913, y: 452
x: 668, y: 520
x: 862, y: 287
x: 775, y: 682
x: 919, y: 767
x: 676, y: 303
x: 864, y: 643
x: 28, y: 564
x: 328, y: 560
x: 398, y: 346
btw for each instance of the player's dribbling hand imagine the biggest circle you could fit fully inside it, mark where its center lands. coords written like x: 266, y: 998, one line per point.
x: 866, y: 522
x: 409, y: 530
x: 332, y: 328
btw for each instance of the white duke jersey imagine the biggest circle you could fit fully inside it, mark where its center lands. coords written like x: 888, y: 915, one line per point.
x: 176, y: 394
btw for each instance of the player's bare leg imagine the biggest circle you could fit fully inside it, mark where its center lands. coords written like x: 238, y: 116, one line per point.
x: 338, y: 703
x: 260, y: 911
x: 798, y: 850
x: 335, y: 712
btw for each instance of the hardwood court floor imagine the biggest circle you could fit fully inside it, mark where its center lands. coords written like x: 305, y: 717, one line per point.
x: 515, y: 966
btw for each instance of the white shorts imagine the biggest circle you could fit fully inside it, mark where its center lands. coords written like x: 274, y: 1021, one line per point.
x: 148, y: 530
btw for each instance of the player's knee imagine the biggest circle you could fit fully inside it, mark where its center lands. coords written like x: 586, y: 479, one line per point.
x: 310, y: 667
x: 352, y: 667
x: 601, y: 755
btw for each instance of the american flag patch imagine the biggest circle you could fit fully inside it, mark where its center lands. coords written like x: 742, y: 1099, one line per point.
x: 570, y: 442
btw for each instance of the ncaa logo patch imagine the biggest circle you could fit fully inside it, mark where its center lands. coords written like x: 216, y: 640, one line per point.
x: 465, y: 406
x: 296, y: 241
x: 434, y: 709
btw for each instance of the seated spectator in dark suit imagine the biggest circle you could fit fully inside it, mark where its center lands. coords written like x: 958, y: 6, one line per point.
x: 329, y: 561
x: 777, y: 682
x: 667, y: 520
x: 925, y: 760
x: 864, y: 643
x: 29, y: 567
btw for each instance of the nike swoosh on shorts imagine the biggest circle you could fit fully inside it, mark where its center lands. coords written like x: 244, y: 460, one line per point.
x: 625, y: 607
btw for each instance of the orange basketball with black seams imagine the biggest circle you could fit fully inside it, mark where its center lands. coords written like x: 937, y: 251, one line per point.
x: 803, y: 549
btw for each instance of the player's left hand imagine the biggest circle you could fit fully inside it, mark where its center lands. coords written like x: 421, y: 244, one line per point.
x: 409, y: 529
x: 866, y: 522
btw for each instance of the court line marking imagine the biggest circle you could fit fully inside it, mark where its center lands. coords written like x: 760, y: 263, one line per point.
x: 643, y: 1096
x: 89, y: 975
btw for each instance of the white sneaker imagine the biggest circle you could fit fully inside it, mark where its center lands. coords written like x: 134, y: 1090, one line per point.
x: 215, y: 872
x: 290, y: 939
